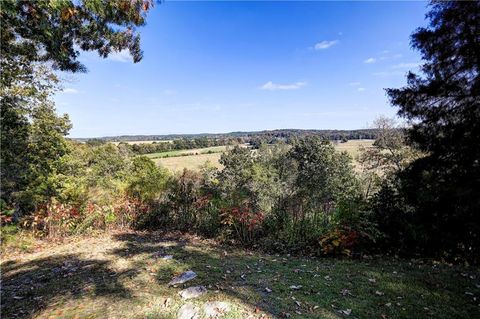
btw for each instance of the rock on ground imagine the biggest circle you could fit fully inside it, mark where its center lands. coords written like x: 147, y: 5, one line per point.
x: 167, y: 257
x: 193, y: 292
x: 184, y: 277
x: 162, y: 255
x: 215, y: 309
x: 188, y: 311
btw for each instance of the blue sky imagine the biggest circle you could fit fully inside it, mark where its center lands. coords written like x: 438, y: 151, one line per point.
x: 242, y: 66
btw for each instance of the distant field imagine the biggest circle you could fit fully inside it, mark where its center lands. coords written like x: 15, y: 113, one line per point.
x: 193, y: 152
x: 352, y: 146
x: 144, y: 142
x: 191, y: 162
x: 174, y: 160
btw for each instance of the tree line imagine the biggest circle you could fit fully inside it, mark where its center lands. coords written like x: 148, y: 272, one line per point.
x: 165, y: 146
x: 282, y: 134
x: 159, y: 143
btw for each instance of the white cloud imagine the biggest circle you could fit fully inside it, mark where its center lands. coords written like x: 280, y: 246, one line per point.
x: 274, y: 86
x: 370, y: 60
x: 361, y: 89
x: 120, y: 56
x: 406, y: 65
x: 388, y: 55
x: 70, y: 91
x: 325, y: 44
x: 354, y: 83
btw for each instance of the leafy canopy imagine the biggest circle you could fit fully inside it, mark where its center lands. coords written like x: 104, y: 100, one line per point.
x: 55, y: 30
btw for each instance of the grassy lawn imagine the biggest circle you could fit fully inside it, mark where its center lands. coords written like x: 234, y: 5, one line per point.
x: 119, y: 276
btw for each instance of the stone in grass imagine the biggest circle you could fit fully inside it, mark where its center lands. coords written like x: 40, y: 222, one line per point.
x: 215, y: 309
x: 193, y: 292
x: 184, y: 277
x: 188, y: 311
x: 167, y: 257
x: 162, y: 255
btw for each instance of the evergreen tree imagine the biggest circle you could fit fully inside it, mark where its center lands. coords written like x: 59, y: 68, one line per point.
x: 442, y: 104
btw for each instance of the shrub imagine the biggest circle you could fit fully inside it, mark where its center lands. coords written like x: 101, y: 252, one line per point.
x: 339, y: 241
x: 242, y: 223
x: 182, y: 197
x: 53, y: 220
x: 146, y: 181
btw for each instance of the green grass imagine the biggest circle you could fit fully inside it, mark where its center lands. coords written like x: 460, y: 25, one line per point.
x: 14, y: 239
x: 118, y: 276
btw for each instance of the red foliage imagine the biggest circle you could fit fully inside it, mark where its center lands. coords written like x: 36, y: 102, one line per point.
x: 5, y: 220
x: 203, y: 201
x: 56, y: 219
x: 53, y: 219
x: 243, y: 220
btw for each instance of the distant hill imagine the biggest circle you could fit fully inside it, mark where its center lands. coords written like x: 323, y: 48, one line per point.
x: 276, y: 134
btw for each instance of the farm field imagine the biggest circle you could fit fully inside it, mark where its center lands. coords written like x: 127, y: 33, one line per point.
x: 352, y: 146
x: 175, y: 161
x: 190, y: 152
x: 122, y: 275
x: 191, y: 162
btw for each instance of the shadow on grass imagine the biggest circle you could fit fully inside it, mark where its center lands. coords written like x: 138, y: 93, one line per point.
x: 330, y: 287
x: 371, y: 289
x: 30, y: 287
x: 216, y: 268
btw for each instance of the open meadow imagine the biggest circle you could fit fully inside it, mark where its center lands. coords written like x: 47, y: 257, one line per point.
x: 352, y: 147
x: 191, y: 162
